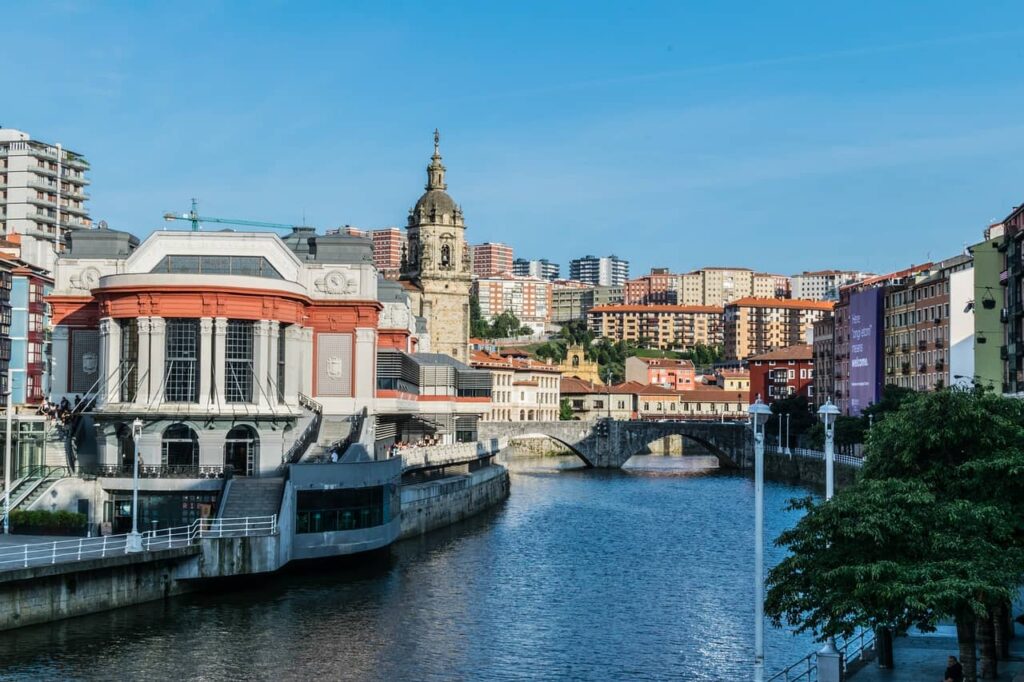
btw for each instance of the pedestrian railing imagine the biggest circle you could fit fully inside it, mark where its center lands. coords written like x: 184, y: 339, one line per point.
x: 806, y: 669
x: 44, y: 553
x: 848, y: 460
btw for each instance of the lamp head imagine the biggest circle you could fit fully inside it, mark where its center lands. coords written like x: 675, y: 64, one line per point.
x: 759, y: 413
x: 828, y: 413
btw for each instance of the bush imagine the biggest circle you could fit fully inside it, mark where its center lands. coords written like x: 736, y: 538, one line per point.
x: 48, y: 522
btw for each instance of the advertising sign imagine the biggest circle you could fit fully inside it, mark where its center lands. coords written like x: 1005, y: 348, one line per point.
x: 866, y: 341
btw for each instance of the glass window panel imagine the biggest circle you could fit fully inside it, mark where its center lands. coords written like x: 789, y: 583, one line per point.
x: 182, y: 359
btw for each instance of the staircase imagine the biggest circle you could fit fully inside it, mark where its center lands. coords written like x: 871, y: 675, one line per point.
x: 252, y: 497
x: 333, y: 429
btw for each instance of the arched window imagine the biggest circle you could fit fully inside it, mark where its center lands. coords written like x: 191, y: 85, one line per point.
x: 180, y: 446
x: 531, y: 415
x: 522, y: 415
x: 241, y: 450
x: 446, y: 256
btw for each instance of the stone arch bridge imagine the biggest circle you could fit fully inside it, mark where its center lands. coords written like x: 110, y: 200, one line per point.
x: 607, y: 443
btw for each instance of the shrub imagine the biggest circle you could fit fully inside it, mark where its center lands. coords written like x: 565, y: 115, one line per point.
x: 48, y: 521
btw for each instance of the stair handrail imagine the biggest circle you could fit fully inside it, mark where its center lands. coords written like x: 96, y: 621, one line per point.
x: 308, y: 435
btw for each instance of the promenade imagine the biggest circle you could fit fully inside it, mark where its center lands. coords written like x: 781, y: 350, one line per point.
x: 922, y: 658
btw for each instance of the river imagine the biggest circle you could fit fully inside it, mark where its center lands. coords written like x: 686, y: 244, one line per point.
x: 580, y: 575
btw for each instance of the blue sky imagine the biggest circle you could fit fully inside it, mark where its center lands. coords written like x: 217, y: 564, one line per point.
x: 777, y: 136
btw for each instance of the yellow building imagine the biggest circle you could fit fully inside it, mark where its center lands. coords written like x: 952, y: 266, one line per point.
x: 576, y: 365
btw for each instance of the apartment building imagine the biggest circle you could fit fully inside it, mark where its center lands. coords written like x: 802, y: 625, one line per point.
x: 521, y: 389
x: 389, y: 244
x: 707, y: 403
x: 715, y: 286
x: 754, y: 326
x: 589, y: 401
x: 27, y: 321
x: 678, y: 375
x: 572, y: 300
x: 823, y: 285
x: 542, y: 268
x: 658, y: 326
x: 660, y: 287
x: 783, y: 373
x: 528, y: 298
x: 1012, y: 279
x: 606, y: 271
x: 823, y: 357
x: 42, y: 195
x: 491, y: 258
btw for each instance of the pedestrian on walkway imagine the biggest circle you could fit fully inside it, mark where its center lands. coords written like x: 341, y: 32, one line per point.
x: 954, y: 671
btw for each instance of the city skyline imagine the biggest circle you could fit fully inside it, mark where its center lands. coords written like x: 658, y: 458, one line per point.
x: 669, y: 137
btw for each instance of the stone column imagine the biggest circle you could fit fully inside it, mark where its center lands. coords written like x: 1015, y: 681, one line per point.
x: 273, y: 333
x: 220, y: 332
x: 142, y: 373
x: 110, y: 362
x: 365, y: 370
x: 59, y: 348
x: 260, y: 332
x: 292, y: 363
x: 306, y: 368
x: 206, y: 397
x: 157, y: 347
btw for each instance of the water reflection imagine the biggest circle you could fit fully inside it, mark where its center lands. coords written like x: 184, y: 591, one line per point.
x: 583, y: 575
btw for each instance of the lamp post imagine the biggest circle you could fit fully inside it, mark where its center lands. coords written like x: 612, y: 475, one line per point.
x: 780, y: 432
x: 759, y: 414
x: 7, y: 452
x: 829, y: 658
x: 788, y: 451
x: 134, y: 542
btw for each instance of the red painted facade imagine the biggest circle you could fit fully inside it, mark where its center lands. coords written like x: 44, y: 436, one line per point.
x: 782, y: 373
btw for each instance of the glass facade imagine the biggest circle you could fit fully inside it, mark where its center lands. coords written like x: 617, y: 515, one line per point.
x: 129, y: 359
x: 250, y: 266
x: 181, y: 383
x: 159, y: 510
x: 180, y: 447
x: 324, y: 511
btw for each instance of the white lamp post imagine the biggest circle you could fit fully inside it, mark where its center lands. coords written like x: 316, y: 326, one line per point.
x: 134, y: 542
x: 829, y: 658
x: 788, y: 451
x: 828, y: 413
x: 759, y: 414
x: 7, y: 452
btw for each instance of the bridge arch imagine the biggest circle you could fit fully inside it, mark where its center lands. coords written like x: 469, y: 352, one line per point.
x: 528, y: 435
x: 725, y: 459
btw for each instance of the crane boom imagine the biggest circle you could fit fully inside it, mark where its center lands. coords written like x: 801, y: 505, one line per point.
x: 194, y: 218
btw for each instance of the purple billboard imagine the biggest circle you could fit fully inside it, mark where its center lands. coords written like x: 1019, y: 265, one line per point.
x: 866, y: 340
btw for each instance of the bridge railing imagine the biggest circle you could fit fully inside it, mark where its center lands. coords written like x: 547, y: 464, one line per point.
x: 849, y: 460
x: 60, y: 551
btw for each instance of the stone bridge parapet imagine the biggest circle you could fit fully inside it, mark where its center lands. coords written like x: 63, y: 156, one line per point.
x: 607, y: 443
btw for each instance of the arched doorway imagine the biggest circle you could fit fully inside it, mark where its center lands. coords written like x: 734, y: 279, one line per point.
x: 180, y: 446
x: 125, y: 447
x: 241, y: 450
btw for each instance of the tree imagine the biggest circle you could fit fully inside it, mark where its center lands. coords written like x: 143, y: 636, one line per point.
x: 478, y: 326
x: 565, y: 410
x: 801, y: 418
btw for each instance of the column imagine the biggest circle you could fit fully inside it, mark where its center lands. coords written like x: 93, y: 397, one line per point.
x: 157, y: 347
x: 273, y: 334
x: 143, y: 373
x: 259, y: 361
x: 206, y: 397
x: 365, y: 370
x: 292, y: 362
x: 59, y: 348
x: 306, y: 366
x: 110, y: 362
x: 220, y: 332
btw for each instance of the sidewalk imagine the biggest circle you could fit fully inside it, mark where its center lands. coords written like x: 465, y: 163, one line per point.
x: 922, y: 658
x: 15, y: 539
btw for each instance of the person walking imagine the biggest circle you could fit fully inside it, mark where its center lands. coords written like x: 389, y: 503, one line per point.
x: 954, y: 671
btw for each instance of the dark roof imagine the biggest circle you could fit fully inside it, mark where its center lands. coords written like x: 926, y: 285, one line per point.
x: 389, y: 291
x: 100, y: 243
x: 435, y: 200
x: 338, y: 249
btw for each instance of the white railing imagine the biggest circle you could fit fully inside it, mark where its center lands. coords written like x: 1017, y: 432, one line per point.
x: 48, y: 553
x: 439, y: 455
x: 806, y: 669
x: 849, y: 460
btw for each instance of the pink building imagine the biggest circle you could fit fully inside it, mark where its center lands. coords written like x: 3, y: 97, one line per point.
x: 491, y: 258
x: 677, y: 375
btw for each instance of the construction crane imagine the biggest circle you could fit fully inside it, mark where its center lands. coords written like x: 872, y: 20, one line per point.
x: 194, y: 218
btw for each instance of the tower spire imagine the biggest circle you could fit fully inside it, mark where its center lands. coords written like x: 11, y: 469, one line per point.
x: 435, y: 171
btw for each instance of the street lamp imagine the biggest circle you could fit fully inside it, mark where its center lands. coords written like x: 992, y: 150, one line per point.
x: 788, y: 451
x: 828, y: 413
x: 7, y: 452
x: 759, y: 414
x: 134, y: 542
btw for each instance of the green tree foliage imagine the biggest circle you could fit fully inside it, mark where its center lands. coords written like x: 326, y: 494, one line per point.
x: 565, y: 410
x: 932, y: 528
x: 478, y: 327
x: 800, y: 414
x: 503, y: 326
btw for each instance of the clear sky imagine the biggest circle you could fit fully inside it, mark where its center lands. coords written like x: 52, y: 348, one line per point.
x: 780, y: 136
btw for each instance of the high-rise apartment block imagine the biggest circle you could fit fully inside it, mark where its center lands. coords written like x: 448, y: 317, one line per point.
x: 658, y: 288
x: 753, y: 326
x: 571, y: 300
x: 542, y: 268
x: 528, y: 298
x: 823, y: 285
x: 388, y: 245
x: 491, y: 258
x: 658, y: 326
x: 42, y: 195
x: 606, y: 271
x: 719, y: 286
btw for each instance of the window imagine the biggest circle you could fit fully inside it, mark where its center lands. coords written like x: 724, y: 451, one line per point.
x: 241, y: 450
x: 281, y: 355
x: 181, y: 365
x: 180, y: 446
x: 324, y: 511
x: 252, y: 266
x: 129, y: 359
x: 238, y: 368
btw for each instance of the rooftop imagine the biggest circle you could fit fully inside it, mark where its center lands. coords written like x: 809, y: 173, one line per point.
x: 790, y: 303
x: 621, y: 308
x: 800, y: 351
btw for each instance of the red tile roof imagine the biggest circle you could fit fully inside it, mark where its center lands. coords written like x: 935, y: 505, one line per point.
x: 792, y: 303
x: 620, y: 308
x: 799, y: 351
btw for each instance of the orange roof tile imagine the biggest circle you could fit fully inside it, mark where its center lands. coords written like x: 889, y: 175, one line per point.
x: 792, y: 303
x: 621, y: 308
x: 799, y: 351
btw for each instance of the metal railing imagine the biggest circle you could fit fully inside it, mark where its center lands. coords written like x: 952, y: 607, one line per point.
x: 59, y: 551
x: 806, y: 669
x: 158, y: 471
x: 308, y: 435
x: 849, y: 460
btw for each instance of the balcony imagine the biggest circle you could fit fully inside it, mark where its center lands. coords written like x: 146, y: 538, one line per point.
x: 922, y: 345
x: 939, y: 343
x: 905, y: 368
x: 922, y: 368
x: 905, y: 348
x: 940, y: 366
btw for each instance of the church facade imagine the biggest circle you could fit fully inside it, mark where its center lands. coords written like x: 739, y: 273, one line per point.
x: 437, y: 268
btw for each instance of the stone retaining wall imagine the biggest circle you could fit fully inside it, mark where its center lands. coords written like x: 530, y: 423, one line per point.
x: 435, y: 504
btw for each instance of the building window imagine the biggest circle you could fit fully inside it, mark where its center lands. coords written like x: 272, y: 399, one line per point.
x: 241, y: 450
x: 181, y: 366
x: 129, y: 359
x: 238, y: 368
x: 180, y: 446
x: 281, y: 355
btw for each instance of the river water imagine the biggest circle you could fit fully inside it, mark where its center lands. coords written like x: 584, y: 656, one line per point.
x: 580, y: 575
